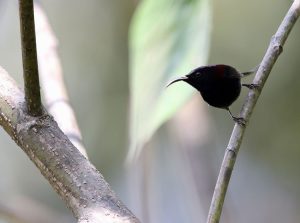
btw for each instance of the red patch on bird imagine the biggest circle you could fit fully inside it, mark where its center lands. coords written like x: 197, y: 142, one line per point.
x: 220, y: 69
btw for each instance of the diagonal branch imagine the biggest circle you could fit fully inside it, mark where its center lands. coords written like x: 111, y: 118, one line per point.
x: 55, y: 93
x: 72, y: 176
x: 30, y: 66
x: 273, y: 52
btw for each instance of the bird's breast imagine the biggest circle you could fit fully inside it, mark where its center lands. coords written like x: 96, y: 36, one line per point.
x: 221, y: 92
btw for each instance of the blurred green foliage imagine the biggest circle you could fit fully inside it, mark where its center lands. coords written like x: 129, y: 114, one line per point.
x: 167, y: 39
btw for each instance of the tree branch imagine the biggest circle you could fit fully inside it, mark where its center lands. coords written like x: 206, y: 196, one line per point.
x: 55, y: 93
x: 273, y: 52
x: 73, y: 177
x: 30, y: 66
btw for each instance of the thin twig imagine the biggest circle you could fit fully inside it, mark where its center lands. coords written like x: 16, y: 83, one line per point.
x: 273, y: 52
x: 30, y: 66
x: 52, y: 81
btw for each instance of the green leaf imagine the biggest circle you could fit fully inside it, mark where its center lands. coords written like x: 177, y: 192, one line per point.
x: 168, y: 38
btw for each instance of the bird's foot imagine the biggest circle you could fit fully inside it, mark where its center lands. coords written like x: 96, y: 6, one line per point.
x: 239, y: 120
x: 252, y: 86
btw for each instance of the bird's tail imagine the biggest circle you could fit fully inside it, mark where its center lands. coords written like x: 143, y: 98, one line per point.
x: 244, y: 74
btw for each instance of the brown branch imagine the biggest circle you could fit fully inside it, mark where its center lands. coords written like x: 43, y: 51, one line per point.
x: 72, y: 176
x: 30, y: 67
x: 55, y: 93
x: 273, y: 52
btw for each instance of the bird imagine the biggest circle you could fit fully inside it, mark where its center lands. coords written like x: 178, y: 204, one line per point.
x: 219, y: 85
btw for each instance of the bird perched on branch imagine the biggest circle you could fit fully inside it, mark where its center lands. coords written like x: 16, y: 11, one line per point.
x: 219, y: 85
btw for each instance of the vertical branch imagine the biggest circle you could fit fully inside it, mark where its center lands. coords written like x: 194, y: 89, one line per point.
x: 30, y: 66
x: 272, y: 54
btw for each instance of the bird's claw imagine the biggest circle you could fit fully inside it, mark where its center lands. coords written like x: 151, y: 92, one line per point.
x: 252, y: 86
x: 240, y: 121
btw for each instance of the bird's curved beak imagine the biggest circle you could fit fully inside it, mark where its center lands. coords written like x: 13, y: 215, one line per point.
x: 176, y: 80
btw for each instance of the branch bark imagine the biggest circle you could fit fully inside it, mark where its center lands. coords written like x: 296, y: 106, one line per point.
x: 73, y: 177
x: 30, y: 66
x: 273, y: 52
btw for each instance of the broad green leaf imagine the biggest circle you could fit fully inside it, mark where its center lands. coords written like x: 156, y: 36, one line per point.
x: 168, y: 38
